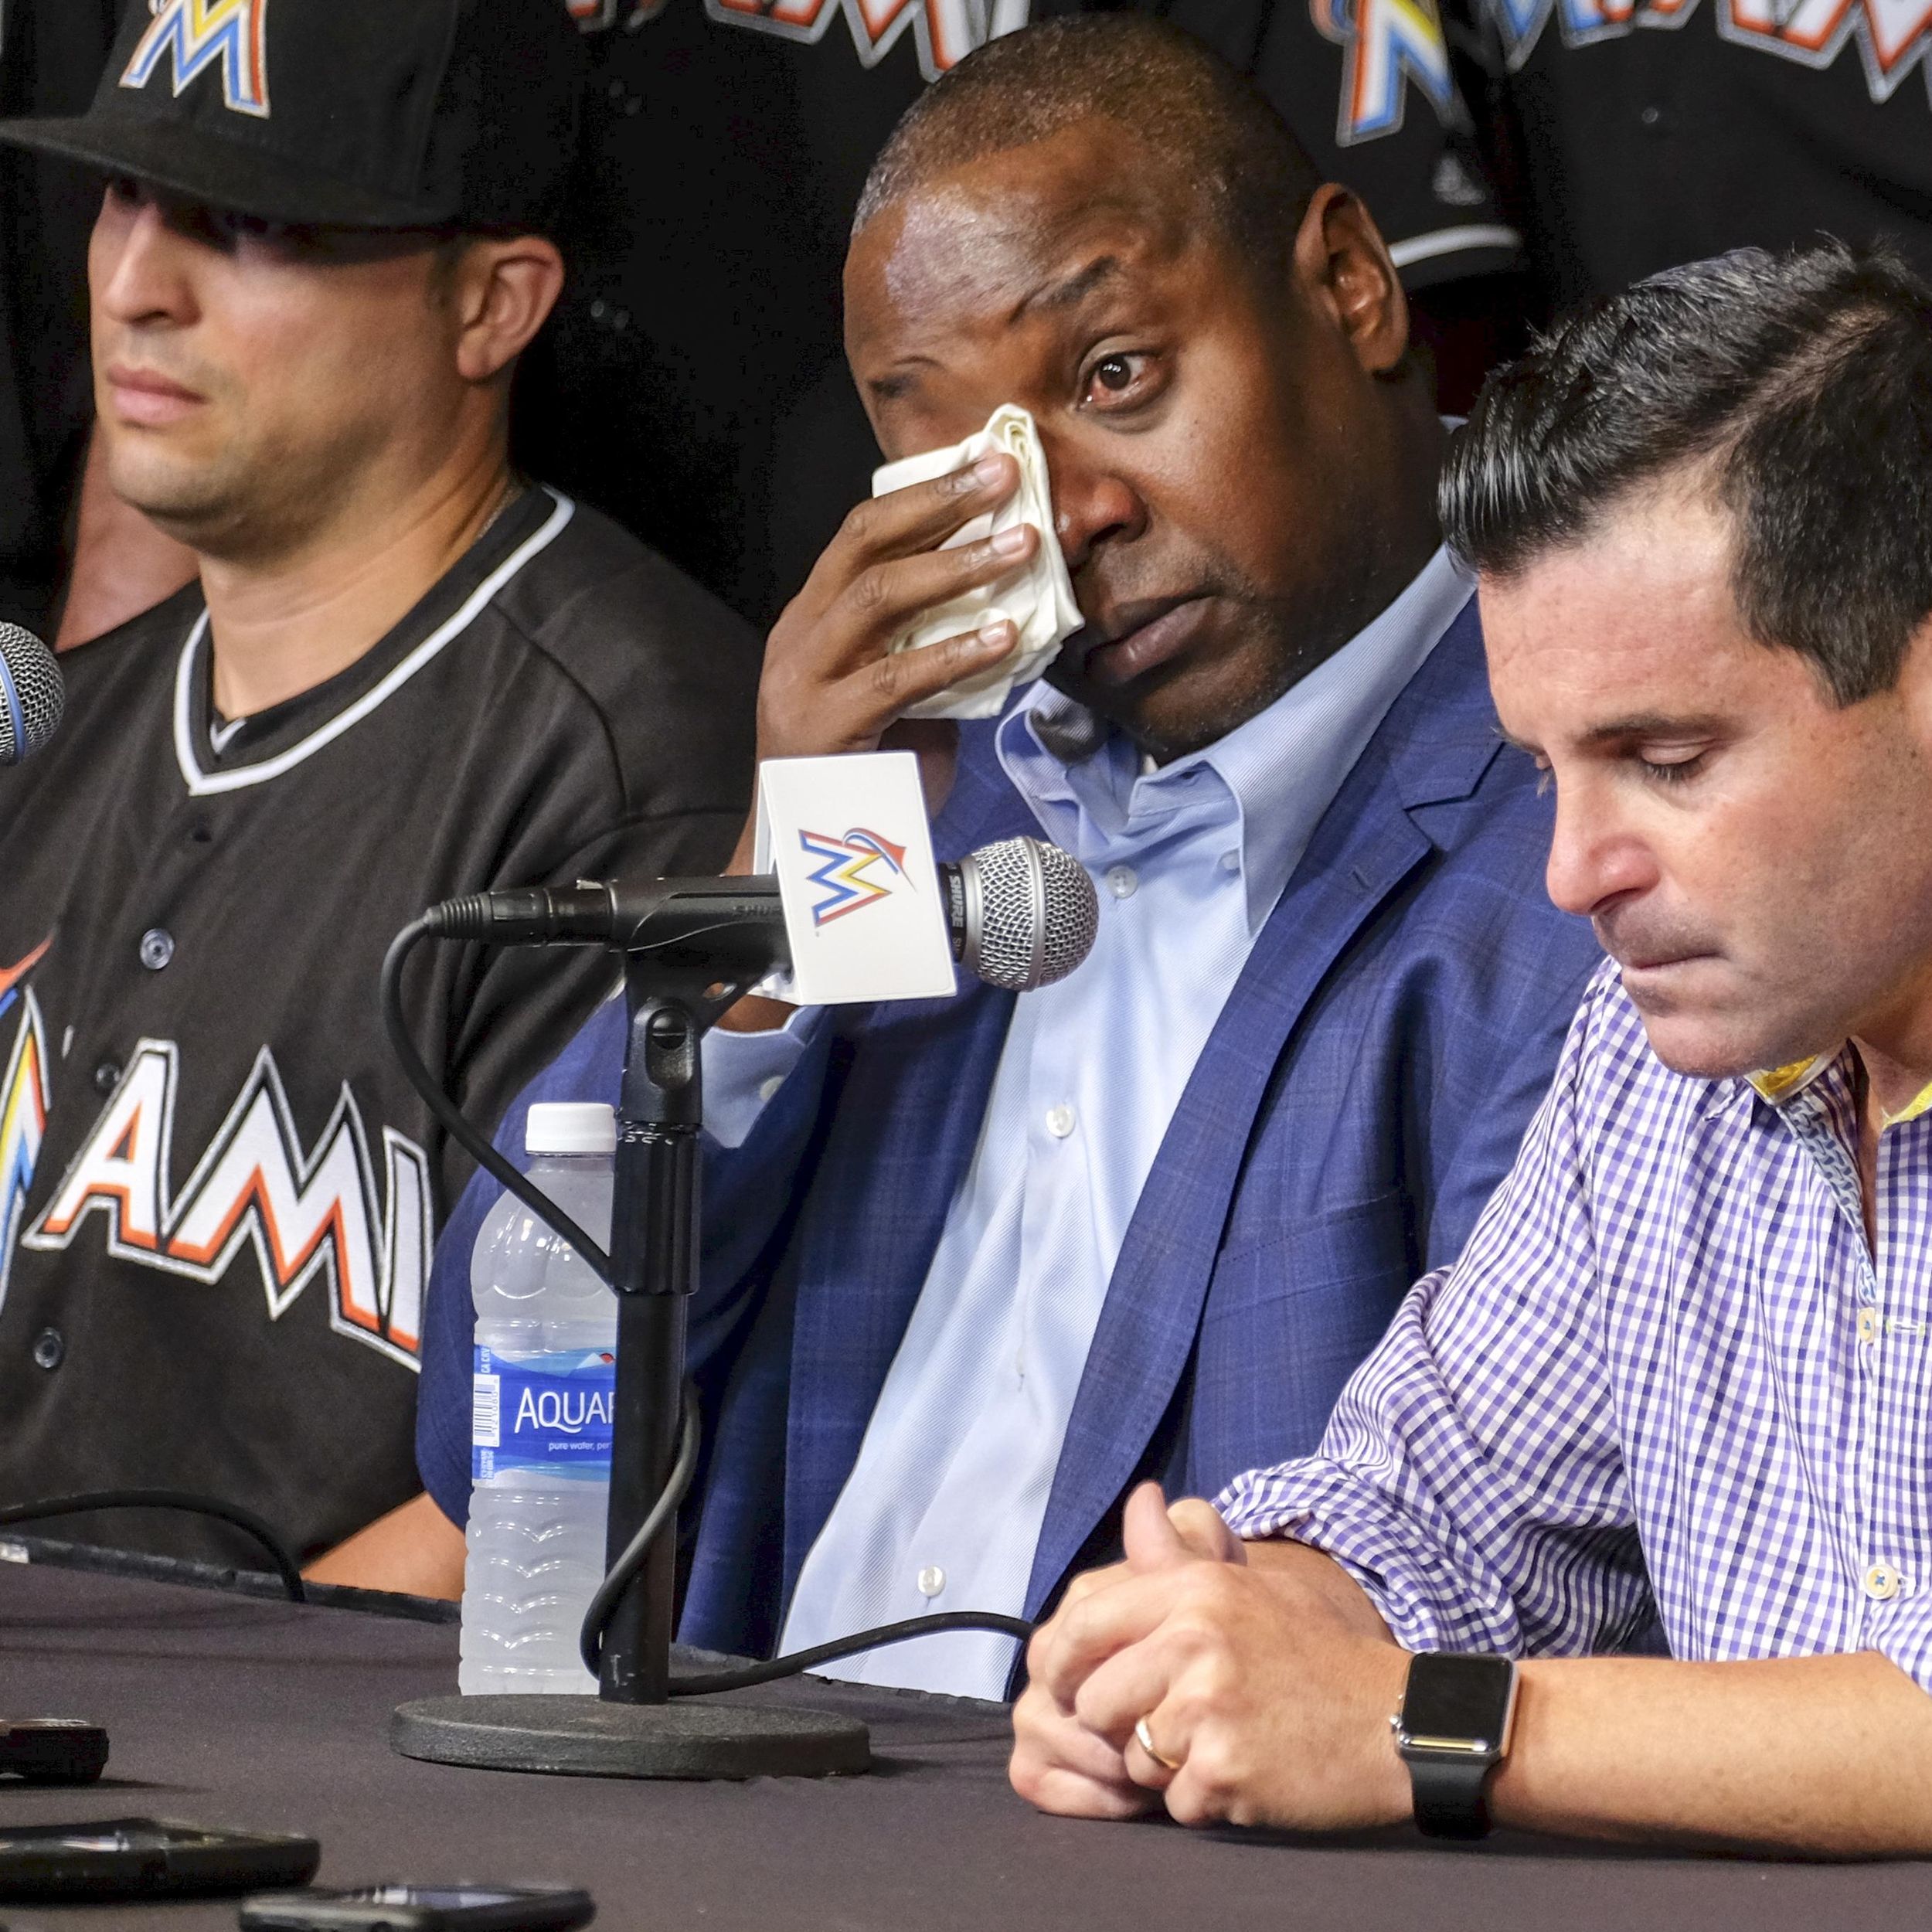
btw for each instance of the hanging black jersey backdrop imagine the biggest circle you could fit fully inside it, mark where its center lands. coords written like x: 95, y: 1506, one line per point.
x: 1664, y: 132
x: 695, y: 386
x: 217, y: 1192
x: 50, y: 57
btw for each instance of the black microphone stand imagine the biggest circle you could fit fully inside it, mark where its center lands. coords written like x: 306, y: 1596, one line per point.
x: 632, y: 1728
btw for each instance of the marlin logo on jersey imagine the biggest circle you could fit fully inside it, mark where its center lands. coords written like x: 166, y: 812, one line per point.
x: 1892, y: 36
x: 1387, y: 44
x: 24, y: 1101
x: 193, y: 34
x: 846, y: 860
x: 305, y: 1215
x: 945, y: 31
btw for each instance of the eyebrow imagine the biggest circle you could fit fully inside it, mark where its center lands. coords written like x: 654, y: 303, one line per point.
x: 901, y: 379
x: 1072, y: 290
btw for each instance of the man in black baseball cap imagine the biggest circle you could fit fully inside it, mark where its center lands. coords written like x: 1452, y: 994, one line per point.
x: 401, y: 672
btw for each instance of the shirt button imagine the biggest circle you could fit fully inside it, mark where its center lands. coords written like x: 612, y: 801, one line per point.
x: 768, y: 1090
x: 1060, y: 1120
x: 932, y: 1580
x: 156, y: 948
x: 1230, y: 861
x: 1123, y: 880
x: 107, y: 1076
x: 50, y: 1348
x: 1867, y: 1324
x: 1881, y: 1582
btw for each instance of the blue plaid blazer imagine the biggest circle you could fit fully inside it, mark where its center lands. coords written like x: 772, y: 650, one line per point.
x: 1363, y: 1092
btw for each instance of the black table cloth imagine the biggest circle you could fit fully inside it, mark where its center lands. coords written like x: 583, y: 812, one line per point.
x: 225, y: 1710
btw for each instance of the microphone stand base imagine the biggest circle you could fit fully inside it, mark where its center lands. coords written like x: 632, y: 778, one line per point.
x: 588, y: 1737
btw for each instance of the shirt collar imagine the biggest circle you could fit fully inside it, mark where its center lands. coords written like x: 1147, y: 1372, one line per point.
x: 1278, y: 772
x: 1779, y: 1084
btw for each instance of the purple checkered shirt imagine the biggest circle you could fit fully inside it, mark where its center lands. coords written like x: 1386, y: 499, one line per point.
x: 1666, y: 1382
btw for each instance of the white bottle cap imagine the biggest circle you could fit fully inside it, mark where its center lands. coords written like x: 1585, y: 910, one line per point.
x: 570, y: 1127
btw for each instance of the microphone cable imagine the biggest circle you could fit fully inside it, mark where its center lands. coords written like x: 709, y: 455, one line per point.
x: 185, y: 1501
x: 663, y: 1512
x: 454, y: 1122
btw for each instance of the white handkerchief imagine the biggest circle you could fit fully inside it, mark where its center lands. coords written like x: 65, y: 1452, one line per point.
x: 1037, y: 598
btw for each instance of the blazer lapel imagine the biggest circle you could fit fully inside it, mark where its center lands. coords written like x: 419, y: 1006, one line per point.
x: 1436, y: 743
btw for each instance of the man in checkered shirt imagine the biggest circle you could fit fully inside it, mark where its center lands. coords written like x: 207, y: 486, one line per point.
x: 1663, y: 1432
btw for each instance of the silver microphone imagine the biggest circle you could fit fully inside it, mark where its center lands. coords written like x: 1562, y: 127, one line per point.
x: 1022, y: 914
x: 31, y: 695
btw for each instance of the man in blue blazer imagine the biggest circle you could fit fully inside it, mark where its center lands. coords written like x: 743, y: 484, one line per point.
x: 973, y: 1265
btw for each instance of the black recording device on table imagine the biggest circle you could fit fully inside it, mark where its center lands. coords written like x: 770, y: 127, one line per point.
x: 147, y: 1857
x: 51, y: 1751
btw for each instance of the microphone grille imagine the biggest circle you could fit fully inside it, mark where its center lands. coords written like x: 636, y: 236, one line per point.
x: 32, y: 694
x: 1038, y: 914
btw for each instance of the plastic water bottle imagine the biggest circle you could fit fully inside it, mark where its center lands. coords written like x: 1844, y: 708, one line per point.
x: 540, y: 1454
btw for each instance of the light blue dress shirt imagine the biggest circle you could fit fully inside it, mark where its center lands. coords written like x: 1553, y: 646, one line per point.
x: 943, y: 1506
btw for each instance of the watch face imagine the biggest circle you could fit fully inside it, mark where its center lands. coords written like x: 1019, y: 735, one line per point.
x: 1460, y: 1701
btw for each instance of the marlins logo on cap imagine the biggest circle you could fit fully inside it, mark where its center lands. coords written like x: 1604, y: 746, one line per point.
x: 198, y: 33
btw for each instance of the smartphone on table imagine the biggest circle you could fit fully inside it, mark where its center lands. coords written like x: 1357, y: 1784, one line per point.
x: 421, y: 1908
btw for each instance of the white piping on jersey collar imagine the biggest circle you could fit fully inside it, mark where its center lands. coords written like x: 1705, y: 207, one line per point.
x: 200, y: 783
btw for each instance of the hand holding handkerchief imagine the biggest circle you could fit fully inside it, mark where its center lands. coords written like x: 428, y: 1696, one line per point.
x: 1037, y: 599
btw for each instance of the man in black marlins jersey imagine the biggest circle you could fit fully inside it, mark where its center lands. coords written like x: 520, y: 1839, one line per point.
x: 403, y: 673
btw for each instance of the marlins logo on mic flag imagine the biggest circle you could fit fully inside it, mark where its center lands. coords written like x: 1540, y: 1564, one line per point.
x: 883, y: 866
x: 842, y: 874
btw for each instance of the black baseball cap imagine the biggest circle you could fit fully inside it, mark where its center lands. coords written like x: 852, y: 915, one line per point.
x: 357, y: 113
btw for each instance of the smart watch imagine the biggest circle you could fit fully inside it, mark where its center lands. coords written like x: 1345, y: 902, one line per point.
x: 1452, y: 1731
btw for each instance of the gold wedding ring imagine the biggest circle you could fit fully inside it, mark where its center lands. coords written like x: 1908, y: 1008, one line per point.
x: 1145, y: 1739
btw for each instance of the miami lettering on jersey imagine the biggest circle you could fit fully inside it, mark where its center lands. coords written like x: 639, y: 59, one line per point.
x: 1386, y: 45
x: 946, y: 31
x: 24, y: 1100
x: 1892, y: 36
x: 305, y: 1215
x: 194, y: 34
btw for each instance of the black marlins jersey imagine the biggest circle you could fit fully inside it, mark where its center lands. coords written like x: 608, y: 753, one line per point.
x: 1657, y: 131
x: 218, y: 1194
x: 695, y: 384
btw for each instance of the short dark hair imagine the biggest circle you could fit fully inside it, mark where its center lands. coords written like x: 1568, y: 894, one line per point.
x: 1203, y: 122
x: 1800, y: 385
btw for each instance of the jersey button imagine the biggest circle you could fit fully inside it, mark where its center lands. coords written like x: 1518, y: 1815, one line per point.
x: 156, y: 948
x: 107, y: 1076
x: 50, y: 1348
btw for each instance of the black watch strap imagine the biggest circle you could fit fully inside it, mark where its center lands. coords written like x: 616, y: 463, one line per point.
x: 1451, y: 1794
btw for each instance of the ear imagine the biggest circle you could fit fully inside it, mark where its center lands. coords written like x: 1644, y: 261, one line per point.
x: 503, y: 292
x: 1341, y: 264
